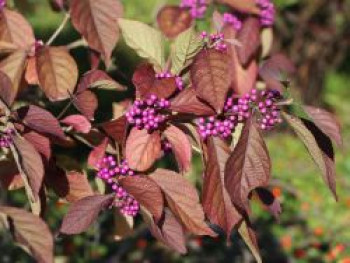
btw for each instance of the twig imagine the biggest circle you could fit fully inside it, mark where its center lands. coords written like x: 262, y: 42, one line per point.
x: 196, y: 149
x: 59, y: 29
x: 77, y: 43
x: 65, y: 109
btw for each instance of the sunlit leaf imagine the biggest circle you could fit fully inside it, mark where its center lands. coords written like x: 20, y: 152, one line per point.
x: 14, y: 28
x: 142, y: 149
x: 186, y: 46
x: 57, y: 72
x: 145, y: 40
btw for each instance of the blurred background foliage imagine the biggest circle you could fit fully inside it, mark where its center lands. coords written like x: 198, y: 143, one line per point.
x: 313, y: 227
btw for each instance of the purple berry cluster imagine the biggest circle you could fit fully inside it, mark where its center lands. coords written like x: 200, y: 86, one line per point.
x: 6, y: 138
x: 149, y: 113
x: 215, y: 40
x: 232, y: 20
x: 270, y: 114
x: 197, y: 7
x: 238, y: 110
x: 217, y: 126
x: 262, y: 101
x: 267, y: 16
x: 178, y: 79
x: 110, y: 171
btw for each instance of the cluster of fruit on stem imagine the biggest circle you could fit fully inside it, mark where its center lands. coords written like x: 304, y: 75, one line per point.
x: 110, y: 171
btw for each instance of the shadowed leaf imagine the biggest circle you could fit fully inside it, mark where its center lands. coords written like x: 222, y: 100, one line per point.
x: 142, y: 149
x: 31, y: 232
x: 90, y: 78
x: 173, y: 20
x: 40, y: 120
x: 123, y: 225
x: 243, y: 78
x: 10, y: 178
x: 97, y: 22
x: 7, y: 93
x: 211, y: 78
x: 248, y: 167
x: 170, y: 232
x: 71, y: 186
x: 216, y: 201
x: 84, y: 212
x: 86, y: 102
x: 183, y: 201
x: 276, y: 70
x: 57, y: 72
x: 187, y: 102
x: 146, y: 192
x: 146, y: 83
x: 29, y: 164
x: 40, y: 142
x: 116, y: 129
x: 319, y: 146
x: 269, y: 201
x: 249, y: 37
x: 180, y: 146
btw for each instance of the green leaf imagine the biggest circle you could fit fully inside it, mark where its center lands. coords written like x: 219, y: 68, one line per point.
x: 145, y: 40
x: 186, y: 46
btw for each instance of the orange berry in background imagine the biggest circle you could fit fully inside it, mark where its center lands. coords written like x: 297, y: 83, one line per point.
x: 340, y: 248
x: 345, y: 260
x: 277, y: 192
x: 318, y: 231
x: 286, y: 242
x: 141, y: 243
x: 305, y: 207
x: 347, y: 202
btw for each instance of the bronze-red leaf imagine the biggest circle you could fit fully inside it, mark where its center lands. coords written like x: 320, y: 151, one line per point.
x: 211, y: 77
x: 248, y: 167
x: 217, y: 203
x: 173, y: 20
x: 142, y: 149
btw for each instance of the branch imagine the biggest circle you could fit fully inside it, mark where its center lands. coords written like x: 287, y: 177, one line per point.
x: 59, y: 29
x: 76, y: 44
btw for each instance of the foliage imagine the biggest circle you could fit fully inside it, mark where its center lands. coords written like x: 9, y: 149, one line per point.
x: 187, y: 97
